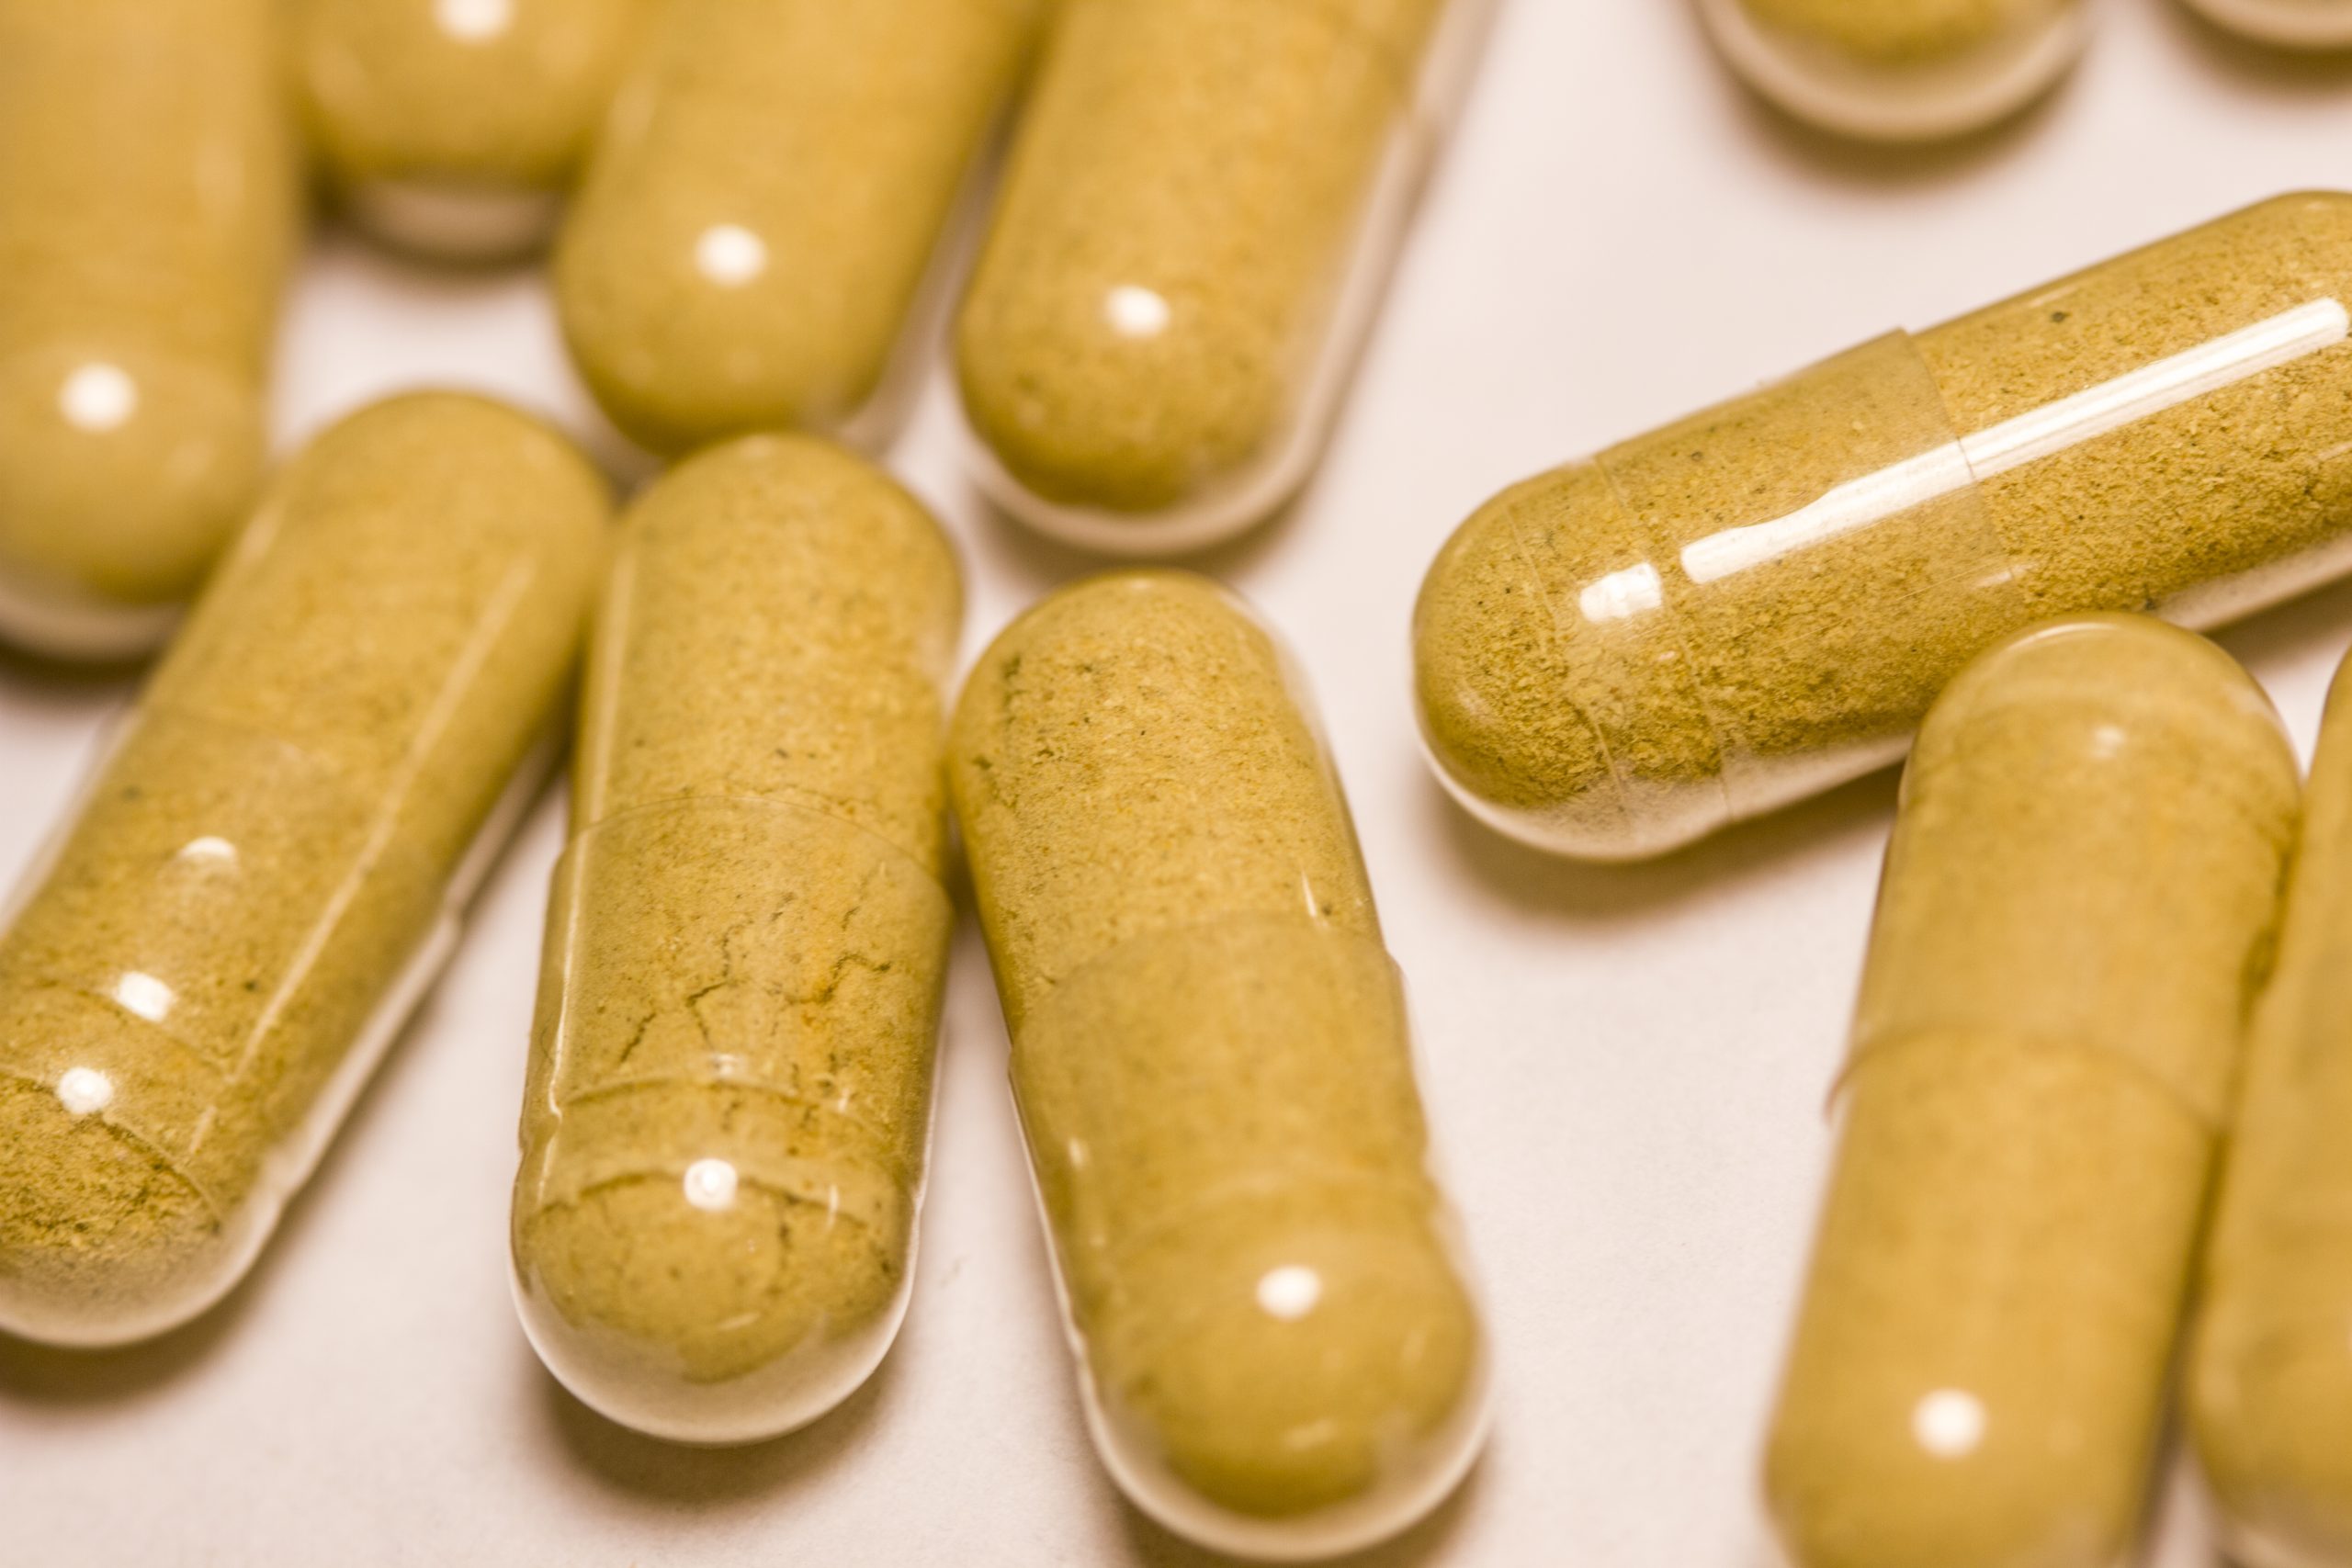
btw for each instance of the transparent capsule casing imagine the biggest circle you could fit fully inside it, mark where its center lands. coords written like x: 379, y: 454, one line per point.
x: 1200, y: 216
x: 267, y: 871
x: 2286, y: 24
x: 1280, y: 1352
x: 765, y: 239
x: 1707, y: 622
x: 729, y: 1106
x: 1900, y: 70
x: 150, y: 204
x: 2270, y: 1383
x: 2079, y: 896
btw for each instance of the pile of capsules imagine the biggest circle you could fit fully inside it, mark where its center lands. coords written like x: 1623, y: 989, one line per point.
x: 2111, y: 939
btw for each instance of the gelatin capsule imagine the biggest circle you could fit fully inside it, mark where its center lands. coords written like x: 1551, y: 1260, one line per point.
x: 762, y: 227
x: 2270, y: 1375
x: 1280, y: 1354
x: 150, y: 200
x: 1198, y: 221
x: 453, y: 127
x: 2289, y: 24
x: 729, y: 1095
x: 2081, y: 887
x: 1709, y: 622
x: 1900, y: 70
x: 266, y: 870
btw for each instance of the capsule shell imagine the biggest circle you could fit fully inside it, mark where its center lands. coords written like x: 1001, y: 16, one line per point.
x: 266, y: 870
x: 729, y: 1095
x: 1198, y: 220
x: 453, y: 127
x: 149, y: 204
x: 1280, y: 1352
x: 1709, y: 622
x: 763, y: 221
x: 2077, y: 900
x: 2288, y: 24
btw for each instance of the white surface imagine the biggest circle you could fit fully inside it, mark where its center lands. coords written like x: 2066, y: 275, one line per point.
x: 1625, y: 1068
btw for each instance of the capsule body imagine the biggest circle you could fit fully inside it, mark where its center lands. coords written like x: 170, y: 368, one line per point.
x: 1281, y: 1356
x: 764, y: 218
x: 2077, y: 900
x: 1197, y: 224
x: 729, y: 1095
x: 1709, y: 622
x: 266, y: 872
x: 149, y: 203
x: 1900, y: 70
x: 2288, y: 24
x: 453, y: 127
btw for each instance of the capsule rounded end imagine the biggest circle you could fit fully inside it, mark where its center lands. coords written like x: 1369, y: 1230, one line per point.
x: 2316, y: 24
x: 2271, y: 1420
x: 465, y: 225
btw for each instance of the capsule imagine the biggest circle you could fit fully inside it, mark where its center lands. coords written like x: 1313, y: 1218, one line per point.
x: 1280, y: 1355
x: 730, y: 1096
x: 762, y: 227
x: 1198, y: 221
x: 2081, y: 887
x: 453, y: 127
x: 1900, y: 70
x: 267, y: 871
x: 2288, y: 24
x: 150, y: 200
x: 1707, y: 622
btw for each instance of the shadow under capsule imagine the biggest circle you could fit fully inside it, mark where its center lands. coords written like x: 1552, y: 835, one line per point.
x: 2272, y: 67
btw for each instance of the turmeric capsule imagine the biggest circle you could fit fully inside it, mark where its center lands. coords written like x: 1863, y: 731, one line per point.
x: 729, y: 1095
x: 1709, y: 622
x: 1210, y: 1057
x: 2289, y: 24
x: 763, y: 217
x: 149, y: 203
x: 2080, y: 889
x: 2270, y: 1375
x: 453, y: 127
x: 1198, y: 221
x: 266, y: 872
x: 1900, y: 70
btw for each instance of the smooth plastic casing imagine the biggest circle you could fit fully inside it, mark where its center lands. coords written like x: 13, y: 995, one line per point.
x: 264, y: 875
x: 453, y: 127
x: 1279, y: 1348
x: 1712, y: 621
x: 725, y: 1129
x: 2077, y: 902
x: 1900, y: 70
x: 150, y: 200
x: 1199, y: 217
x: 763, y: 240
x: 2289, y: 24
x: 2269, y: 1384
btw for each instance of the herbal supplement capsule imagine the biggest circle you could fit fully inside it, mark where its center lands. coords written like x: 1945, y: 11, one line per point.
x: 454, y: 127
x: 730, y: 1098
x: 1197, y: 224
x: 149, y: 202
x: 1900, y: 70
x: 2077, y: 899
x: 1709, y: 622
x: 762, y: 224
x: 266, y: 872
x: 1281, y: 1354
x: 2289, y: 24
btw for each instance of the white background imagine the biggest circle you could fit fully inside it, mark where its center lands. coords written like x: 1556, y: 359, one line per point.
x: 1627, y: 1069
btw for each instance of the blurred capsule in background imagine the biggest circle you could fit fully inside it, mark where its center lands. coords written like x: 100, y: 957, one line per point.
x: 2288, y: 24
x: 150, y: 203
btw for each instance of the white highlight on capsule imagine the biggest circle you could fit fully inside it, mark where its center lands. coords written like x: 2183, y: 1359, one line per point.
x: 83, y: 1090
x: 729, y: 254
x: 710, y: 1185
x: 1948, y: 1422
x: 474, y: 21
x: 1289, y: 1292
x: 98, y: 397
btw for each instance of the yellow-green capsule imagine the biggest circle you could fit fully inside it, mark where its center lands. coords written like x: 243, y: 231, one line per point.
x: 1281, y: 1356
x: 730, y: 1098
x: 268, y: 870
x: 2288, y: 24
x: 765, y: 214
x: 2077, y: 904
x: 150, y: 199
x: 453, y: 127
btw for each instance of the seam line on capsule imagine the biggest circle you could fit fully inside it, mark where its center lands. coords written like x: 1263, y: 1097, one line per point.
x: 622, y: 1088
x: 123, y: 1130
x: 767, y: 803
x: 2211, y: 1120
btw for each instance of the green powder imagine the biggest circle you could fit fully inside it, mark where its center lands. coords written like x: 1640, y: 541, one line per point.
x: 761, y: 214
x: 1624, y: 654
x: 730, y: 1099
x: 1211, y: 1063
x: 149, y: 204
x: 2077, y: 906
x: 201, y: 975
x: 1903, y: 32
